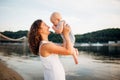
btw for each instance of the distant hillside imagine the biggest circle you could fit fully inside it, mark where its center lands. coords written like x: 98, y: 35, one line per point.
x: 52, y: 37
x: 15, y: 35
x: 102, y: 36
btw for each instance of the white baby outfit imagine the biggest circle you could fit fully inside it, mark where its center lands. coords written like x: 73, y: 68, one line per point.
x: 71, y: 35
x: 53, y: 69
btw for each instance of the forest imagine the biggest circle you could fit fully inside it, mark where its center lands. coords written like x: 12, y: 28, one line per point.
x: 102, y: 36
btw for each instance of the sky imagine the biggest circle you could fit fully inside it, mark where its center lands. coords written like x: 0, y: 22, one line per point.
x: 82, y: 15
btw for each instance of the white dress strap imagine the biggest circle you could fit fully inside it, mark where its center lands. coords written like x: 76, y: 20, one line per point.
x: 41, y: 43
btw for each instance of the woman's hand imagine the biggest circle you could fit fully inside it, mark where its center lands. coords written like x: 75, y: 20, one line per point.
x: 66, y: 30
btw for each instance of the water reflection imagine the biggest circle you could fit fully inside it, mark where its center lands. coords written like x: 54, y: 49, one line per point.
x: 101, y: 52
x: 106, y: 52
x: 16, y: 49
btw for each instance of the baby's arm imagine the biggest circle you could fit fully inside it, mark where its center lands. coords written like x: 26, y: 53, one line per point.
x: 59, y: 28
x: 56, y: 30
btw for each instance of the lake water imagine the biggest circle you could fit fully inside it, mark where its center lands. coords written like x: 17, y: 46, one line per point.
x: 95, y: 62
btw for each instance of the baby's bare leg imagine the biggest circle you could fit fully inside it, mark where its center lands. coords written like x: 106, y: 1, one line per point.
x: 75, y: 55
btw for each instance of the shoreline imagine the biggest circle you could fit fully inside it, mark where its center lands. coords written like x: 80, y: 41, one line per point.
x: 7, y: 73
x: 28, y: 69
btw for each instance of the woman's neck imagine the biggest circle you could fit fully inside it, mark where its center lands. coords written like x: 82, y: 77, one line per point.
x: 45, y: 38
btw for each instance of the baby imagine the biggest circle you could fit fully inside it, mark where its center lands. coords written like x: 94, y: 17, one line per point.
x: 58, y: 23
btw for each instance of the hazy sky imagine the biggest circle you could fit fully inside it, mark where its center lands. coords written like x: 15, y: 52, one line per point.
x: 83, y: 15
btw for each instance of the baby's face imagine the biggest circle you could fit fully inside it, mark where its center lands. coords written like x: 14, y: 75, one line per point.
x: 54, y: 21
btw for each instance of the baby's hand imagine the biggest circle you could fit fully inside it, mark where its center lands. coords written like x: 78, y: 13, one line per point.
x: 54, y: 28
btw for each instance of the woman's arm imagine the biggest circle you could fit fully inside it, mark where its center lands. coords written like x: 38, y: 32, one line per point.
x: 57, y: 49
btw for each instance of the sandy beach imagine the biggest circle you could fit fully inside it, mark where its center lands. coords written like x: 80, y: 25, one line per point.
x: 7, y: 73
x: 19, y: 68
x: 28, y: 69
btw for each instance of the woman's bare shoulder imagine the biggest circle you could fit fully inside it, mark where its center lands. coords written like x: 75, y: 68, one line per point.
x: 47, y: 46
x: 44, y: 49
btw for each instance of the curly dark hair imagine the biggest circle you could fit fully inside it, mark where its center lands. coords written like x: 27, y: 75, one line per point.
x: 34, y: 37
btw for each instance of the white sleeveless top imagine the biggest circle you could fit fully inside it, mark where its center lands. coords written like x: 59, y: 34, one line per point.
x: 53, y: 69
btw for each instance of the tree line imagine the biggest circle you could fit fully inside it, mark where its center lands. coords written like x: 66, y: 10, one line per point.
x: 102, y: 36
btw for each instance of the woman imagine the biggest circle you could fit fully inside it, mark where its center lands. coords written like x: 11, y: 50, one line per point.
x: 48, y: 51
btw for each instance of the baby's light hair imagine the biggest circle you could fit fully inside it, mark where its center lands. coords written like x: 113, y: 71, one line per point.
x: 56, y: 15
